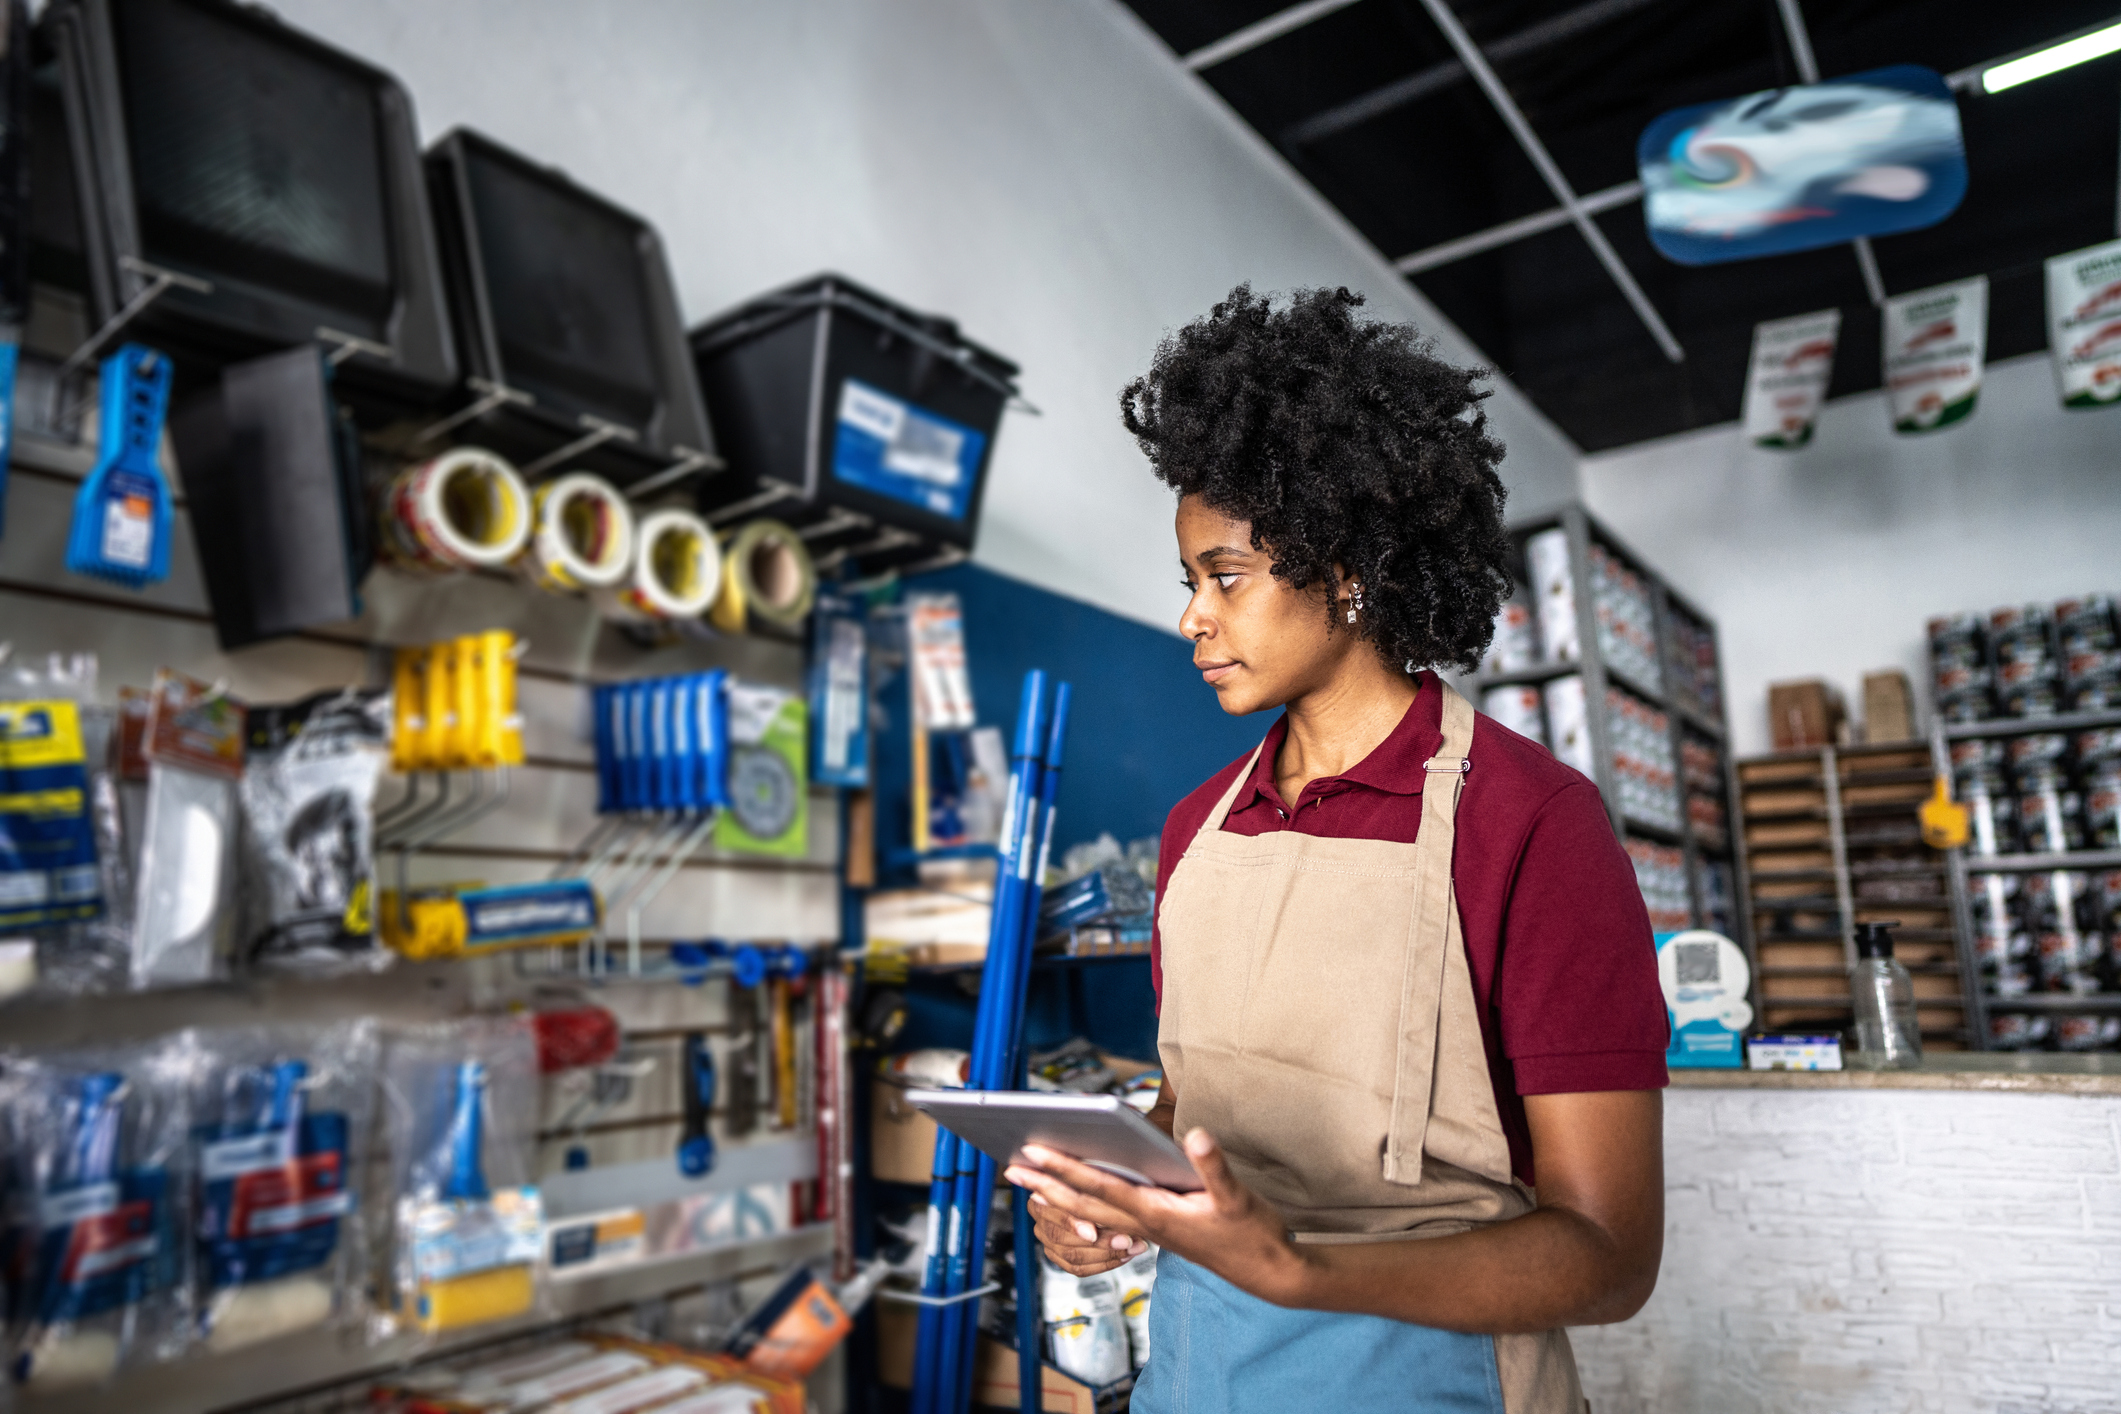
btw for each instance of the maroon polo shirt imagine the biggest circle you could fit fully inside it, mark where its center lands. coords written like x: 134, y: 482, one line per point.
x: 1564, y: 971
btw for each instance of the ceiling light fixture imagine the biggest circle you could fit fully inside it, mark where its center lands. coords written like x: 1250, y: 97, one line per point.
x: 2052, y: 60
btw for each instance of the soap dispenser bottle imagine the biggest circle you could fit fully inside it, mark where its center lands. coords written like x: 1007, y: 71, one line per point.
x: 1883, y: 995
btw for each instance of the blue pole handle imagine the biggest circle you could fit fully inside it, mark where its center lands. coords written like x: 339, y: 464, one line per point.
x: 467, y: 1175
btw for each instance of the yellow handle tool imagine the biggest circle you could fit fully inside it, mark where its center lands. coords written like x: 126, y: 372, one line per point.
x: 1944, y: 822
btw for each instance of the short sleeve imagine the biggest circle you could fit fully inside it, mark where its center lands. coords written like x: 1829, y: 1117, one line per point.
x: 1576, y: 992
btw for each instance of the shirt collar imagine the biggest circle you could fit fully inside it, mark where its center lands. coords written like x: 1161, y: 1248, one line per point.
x: 1395, y: 766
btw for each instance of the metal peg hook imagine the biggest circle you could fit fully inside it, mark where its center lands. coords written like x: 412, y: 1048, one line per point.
x: 690, y: 462
x: 347, y: 345
x: 491, y: 396
x: 159, y: 283
x: 598, y: 434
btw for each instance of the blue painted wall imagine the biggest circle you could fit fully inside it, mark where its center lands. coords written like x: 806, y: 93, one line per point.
x: 1145, y: 729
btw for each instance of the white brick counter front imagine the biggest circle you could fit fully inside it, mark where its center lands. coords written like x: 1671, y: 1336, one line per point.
x: 1854, y: 1243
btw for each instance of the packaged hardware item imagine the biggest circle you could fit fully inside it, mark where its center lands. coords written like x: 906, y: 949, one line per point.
x: 98, y: 1268
x: 1084, y: 1326
x: 793, y: 1330
x: 467, y: 1226
x: 48, y: 858
x: 769, y: 738
x: 309, y: 869
x: 1137, y: 1286
x: 194, y: 750
x: 839, y: 693
x: 281, y: 1117
x: 935, y: 633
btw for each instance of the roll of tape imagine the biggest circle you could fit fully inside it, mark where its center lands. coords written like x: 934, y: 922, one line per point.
x: 676, y: 571
x: 583, y: 537
x: 767, y: 576
x: 466, y: 509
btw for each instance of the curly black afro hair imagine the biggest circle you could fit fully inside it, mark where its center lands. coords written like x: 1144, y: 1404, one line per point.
x: 1342, y: 441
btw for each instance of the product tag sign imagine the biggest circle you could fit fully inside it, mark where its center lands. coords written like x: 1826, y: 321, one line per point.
x: 455, y: 1237
x: 905, y: 452
x: 2084, y: 325
x: 232, y: 1158
x: 1793, y: 361
x: 562, y: 910
x: 1934, y: 343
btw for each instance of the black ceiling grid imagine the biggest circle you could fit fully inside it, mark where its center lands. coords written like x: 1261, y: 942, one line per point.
x: 1370, y: 105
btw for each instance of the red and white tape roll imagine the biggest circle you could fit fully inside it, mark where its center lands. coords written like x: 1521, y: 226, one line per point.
x: 465, y: 509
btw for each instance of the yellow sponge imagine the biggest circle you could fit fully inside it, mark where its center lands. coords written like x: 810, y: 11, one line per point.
x: 492, y: 1295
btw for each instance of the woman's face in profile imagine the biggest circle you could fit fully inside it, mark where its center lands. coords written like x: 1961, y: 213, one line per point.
x: 1258, y: 642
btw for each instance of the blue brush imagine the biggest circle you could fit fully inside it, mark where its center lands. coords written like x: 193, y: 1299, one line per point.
x: 122, y: 514
x: 696, y: 1149
x: 467, y: 1174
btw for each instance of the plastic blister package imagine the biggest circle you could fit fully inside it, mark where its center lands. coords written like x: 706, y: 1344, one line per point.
x: 467, y: 1222
x: 308, y: 836
x: 281, y: 1121
x: 187, y: 866
x: 99, y: 1271
x: 1084, y: 1324
x: 62, y: 865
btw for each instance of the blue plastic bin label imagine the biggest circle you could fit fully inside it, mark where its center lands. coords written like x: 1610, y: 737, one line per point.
x: 905, y: 452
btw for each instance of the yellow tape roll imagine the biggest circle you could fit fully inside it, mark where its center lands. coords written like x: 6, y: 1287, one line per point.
x: 767, y: 577
x: 677, y: 571
x: 584, y: 536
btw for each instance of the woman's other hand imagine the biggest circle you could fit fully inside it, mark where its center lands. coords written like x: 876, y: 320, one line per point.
x: 1080, y: 1248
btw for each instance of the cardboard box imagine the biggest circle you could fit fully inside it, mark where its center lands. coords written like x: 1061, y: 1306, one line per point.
x: 994, y: 1383
x: 1803, y: 714
x: 901, y: 1138
x: 1888, y: 707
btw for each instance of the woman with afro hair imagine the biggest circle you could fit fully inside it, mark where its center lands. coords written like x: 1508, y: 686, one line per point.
x: 1403, y: 970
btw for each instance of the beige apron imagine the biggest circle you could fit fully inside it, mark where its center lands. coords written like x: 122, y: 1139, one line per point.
x: 1318, y: 1020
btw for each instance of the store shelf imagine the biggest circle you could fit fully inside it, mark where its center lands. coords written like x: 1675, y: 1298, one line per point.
x: 2028, y: 726
x: 2081, y: 859
x: 1840, y: 1002
x: 2056, y: 1001
x: 1662, y: 834
x: 1526, y: 677
x: 315, y: 1361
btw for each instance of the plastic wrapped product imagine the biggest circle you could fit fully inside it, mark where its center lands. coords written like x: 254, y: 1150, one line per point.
x: 1553, y: 596
x: 194, y: 750
x: 1569, y: 722
x: 1137, y: 1283
x: 1516, y: 707
x: 467, y: 1221
x: 1084, y: 1325
x: 48, y: 871
x: 100, y: 1270
x: 281, y: 1116
x: 309, y: 870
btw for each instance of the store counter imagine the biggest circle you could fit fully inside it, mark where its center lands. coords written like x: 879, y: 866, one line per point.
x: 1946, y: 1238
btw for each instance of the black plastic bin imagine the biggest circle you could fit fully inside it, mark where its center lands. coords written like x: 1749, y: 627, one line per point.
x: 868, y: 425
x: 567, y: 300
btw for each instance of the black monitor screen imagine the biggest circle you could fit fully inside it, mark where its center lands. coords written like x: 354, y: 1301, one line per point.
x: 253, y: 157
x: 565, y: 288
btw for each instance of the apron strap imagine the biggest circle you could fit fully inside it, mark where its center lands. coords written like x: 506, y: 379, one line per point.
x: 1221, y: 812
x: 1434, y: 923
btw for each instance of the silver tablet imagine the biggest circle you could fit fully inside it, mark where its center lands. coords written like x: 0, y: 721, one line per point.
x: 1102, y: 1131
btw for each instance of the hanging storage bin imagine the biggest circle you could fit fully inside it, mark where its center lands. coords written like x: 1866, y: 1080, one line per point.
x: 868, y: 425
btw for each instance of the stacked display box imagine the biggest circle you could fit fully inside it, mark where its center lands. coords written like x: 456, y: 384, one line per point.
x: 1829, y: 839
x: 1600, y: 661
